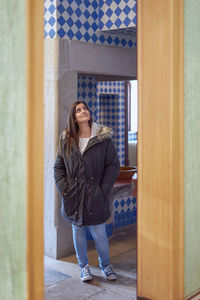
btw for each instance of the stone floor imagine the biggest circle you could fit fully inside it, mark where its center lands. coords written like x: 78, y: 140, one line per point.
x: 62, y: 277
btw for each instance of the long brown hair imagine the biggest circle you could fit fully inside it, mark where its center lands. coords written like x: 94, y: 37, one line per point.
x: 72, y: 126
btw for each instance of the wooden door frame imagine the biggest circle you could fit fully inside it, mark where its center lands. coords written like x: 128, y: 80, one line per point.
x: 160, y: 202
x: 35, y: 146
x: 173, y: 20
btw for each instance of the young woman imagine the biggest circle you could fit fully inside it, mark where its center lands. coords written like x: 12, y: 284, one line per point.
x: 85, y: 170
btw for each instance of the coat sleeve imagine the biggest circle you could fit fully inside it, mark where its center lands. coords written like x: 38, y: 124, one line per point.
x: 60, y: 175
x: 111, y: 168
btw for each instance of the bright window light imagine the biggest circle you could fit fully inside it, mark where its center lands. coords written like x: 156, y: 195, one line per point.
x: 133, y: 106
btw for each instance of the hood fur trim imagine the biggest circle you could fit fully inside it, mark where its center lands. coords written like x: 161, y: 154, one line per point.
x: 99, y: 131
x: 103, y: 132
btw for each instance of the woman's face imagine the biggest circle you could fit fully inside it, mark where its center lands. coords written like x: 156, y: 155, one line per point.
x: 82, y: 113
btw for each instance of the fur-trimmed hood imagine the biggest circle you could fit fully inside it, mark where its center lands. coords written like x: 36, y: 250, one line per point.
x: 98, y: 130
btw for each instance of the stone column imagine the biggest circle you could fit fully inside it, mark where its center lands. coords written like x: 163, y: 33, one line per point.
x: 60, y: 93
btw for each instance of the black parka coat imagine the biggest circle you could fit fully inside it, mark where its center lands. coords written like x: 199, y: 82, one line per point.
x: 85, y: 181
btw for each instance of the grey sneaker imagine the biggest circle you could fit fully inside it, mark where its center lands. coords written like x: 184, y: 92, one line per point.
x: 109, y: 273
x: 86, y: 274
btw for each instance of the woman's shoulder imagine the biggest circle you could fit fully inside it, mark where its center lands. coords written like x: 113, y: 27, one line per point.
x: 103, y: 132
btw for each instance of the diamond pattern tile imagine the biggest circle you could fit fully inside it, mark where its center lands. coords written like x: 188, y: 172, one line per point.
x: 87, y: 89
x: 82, y: 20
x: 49, y: 19
x: 117, y: 14
x: 125, y: 212
x: 112, y: 112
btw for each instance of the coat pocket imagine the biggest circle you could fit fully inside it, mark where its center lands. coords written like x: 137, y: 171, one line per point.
x: 97, y: 204
x: 70, y: 200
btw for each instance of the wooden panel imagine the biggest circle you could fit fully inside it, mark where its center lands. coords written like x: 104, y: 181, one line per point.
x: 35, y: 115
x: 160, y: 149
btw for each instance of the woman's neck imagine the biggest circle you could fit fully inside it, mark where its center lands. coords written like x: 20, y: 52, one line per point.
x: 84, y: 130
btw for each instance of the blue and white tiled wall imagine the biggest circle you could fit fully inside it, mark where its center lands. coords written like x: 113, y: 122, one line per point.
x: 50, y: 18
x: 111, y: 95
x: 117, y: 14
x: 87, y: 91
x: 125, y: 211
x: 80, y: 20
x: 106, y: 103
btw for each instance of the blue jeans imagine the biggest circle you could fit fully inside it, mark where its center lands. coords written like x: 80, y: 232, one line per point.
x: 99, y: 235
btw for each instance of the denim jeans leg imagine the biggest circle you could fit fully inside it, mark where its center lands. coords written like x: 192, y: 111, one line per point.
x: 99, y: 235
x: 80, y: 244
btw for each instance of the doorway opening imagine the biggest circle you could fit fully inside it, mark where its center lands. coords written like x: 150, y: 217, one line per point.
x: 92, y: 57
x: 116, y: 110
